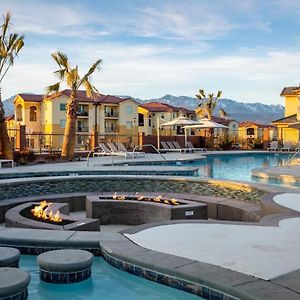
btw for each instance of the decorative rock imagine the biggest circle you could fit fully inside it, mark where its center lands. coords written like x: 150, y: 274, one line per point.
x: 13, y: 284
x: 65, y: 266
x: 9, y: 257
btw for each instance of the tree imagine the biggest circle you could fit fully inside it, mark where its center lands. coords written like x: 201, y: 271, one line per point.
x: 10, y: 45
x: 208, y: 104
x: 73, y: 80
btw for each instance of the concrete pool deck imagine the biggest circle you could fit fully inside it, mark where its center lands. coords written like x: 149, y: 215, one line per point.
x: 284, y: 173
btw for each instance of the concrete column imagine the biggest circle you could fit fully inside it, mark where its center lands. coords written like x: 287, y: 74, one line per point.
x: 21, y: 137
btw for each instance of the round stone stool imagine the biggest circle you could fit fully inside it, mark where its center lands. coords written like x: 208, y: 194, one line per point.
x: 65, y: 266
x: 9, y: 257
x: 13, y: 283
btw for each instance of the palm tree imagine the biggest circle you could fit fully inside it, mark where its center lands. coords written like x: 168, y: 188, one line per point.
x: 10, y: 45
x: 208, y: 104
x: 73, y: 80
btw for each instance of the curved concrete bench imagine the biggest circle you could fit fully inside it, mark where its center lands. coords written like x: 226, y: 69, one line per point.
x: 9, y: 257
x: 14, y: 218
x: 13, y: 284
x: 65, y: 266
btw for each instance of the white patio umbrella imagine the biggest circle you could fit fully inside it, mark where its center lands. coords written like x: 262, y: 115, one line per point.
x: 206, y: 124
x: 180, y: 121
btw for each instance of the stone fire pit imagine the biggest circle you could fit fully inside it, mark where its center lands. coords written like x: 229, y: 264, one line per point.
x: 136, y: 209
x: 21, y: 217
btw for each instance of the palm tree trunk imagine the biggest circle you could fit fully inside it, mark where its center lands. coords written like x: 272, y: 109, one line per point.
x: 68, y: 147
x: 5, y: 144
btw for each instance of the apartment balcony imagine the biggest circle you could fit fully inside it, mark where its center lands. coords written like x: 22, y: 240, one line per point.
x: 110, y: 129
x: 82, y: 129
x: 113, y: 115
x: 81, y: 114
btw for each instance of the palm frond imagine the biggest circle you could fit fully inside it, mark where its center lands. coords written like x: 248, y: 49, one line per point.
x: 223, y: 113
x: 219, y: 94
x: 54, y: 88
x: 95, y: 66
x: 202, y: 93
x: 5, y: 25
x: 60, y: 74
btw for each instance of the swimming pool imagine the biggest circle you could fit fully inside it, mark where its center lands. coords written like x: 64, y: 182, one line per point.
x: 106, y: 282
x: 238, y: 166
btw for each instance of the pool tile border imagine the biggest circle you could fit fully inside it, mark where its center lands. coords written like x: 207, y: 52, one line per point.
x: 168, y: 280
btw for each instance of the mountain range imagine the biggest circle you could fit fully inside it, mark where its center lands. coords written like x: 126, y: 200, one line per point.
x: 239, y: 111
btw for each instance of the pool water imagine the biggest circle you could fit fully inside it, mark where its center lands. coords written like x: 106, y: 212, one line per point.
x: 106, y: 282
x: 238, y: 166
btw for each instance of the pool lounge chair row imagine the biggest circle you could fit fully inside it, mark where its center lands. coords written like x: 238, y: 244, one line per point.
x: 173, y: 146
x: 287, y: 146
x: 116, y: 149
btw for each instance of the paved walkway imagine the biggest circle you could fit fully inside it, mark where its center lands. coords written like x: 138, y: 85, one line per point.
x: 261, y: 251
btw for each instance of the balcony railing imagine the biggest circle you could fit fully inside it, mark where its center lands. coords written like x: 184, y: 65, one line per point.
x: 110, y: 130
x: 114, y: 114
x: 82, y: 129
x: 82, y: 114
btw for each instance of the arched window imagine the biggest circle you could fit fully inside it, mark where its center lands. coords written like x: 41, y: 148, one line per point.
x: 19, y: 113
x: 250, y: 131
x: 32, y: 113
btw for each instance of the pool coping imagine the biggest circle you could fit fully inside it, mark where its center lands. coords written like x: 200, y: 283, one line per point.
x: 269, y: 173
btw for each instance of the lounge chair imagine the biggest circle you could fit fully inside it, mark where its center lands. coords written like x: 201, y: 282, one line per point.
x: 297, y: 149
x: 104, y: 151
x: 166, y: 148
x: 273, y: 146
x: 192, y: 148
x: 177, y: 146
x: 122, y: 148
x: 117, y: 152
x: 287, y: 146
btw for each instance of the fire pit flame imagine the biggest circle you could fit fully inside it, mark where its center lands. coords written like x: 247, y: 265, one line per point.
x: 138, y: 197
x: 41, y: 211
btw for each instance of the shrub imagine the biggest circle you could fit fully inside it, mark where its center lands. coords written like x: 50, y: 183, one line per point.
x: 226, y: 144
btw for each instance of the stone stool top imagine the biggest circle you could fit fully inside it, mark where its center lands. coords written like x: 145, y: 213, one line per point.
x: 66, y: 260
x: 8, y: 256
x: 13, y: 281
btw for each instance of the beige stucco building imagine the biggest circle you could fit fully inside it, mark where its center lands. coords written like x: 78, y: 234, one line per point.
x: 45, y: 118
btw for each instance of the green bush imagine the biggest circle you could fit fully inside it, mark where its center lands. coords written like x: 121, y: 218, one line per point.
x: 226, y: 144
x: 24, y: 157
x: 256, y: 144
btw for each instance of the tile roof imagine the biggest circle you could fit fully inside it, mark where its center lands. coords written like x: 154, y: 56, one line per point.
x: 222, y: 121
x: 10, y: 117
x: 288, y: 119
x: 290, y: 91
x: 32, y: 97
x: 249, y: 123
x: 164, y: 107
x: 81, y: 97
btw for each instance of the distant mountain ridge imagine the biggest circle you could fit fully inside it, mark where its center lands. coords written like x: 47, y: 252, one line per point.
x: 239, y: 111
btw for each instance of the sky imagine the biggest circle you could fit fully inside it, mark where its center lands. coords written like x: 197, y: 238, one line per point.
x: 249, y: 49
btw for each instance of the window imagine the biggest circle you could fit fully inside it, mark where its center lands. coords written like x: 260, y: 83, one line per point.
x: 32, y: 113
x: 141, y: 119
x: 250, y: 131
x: 62, y: 123
x: 129, y: 124
x: 83, y: 110
x: 62, y: 106
x: 149, y: 124
x: 129, y: 110
x: 233, y: 126
x: 19, y: 113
